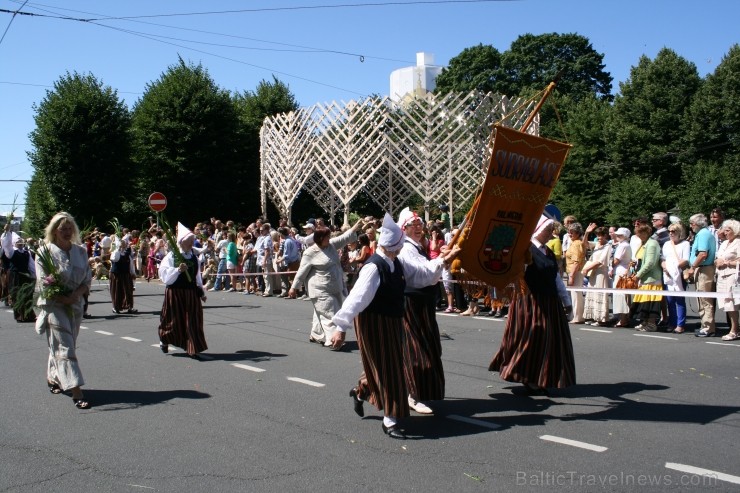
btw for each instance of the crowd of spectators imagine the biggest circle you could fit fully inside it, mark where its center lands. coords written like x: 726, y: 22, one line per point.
x: 659, y: 253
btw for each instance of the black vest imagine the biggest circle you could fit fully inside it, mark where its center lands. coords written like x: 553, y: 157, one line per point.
x: 389, y: 299
x: 19, y: 261
x: 182, y: 279
x: 123, y: 265
x: 540, y: 275
x: 427, y: 291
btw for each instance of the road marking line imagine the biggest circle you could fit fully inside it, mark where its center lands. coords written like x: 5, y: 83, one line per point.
x: 132, y: 339
x: 83, y: 327
x: 703, y: 472
x: 573, y: 443
x: 9, y: 311
x: 656, y: 337
x: 104, y: 332
x: 723, y: 344
x: 598, y: 330
x: 307, y: 382
x: 477, y: 422
x: 247, y: 367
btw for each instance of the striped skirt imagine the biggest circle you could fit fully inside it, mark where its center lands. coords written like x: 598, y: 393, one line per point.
x: 20, y: 298
x: 382, y: 382
x: 121, y: 291
x: 181, y: 321
x: 536, y: 347
x: 422, y: 350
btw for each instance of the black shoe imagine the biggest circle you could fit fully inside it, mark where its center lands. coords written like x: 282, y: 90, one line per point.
x: 535, y: 390
x: 394, y: 432
x: 164, y: 347
x: 357, y: 403
x: 86, y: 315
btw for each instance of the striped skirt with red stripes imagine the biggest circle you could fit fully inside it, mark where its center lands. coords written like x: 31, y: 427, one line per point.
x: 181, y: 321
x: 121, y: 291
x: 536, y: 347
x: 422, y: 350
x: 382, y: 382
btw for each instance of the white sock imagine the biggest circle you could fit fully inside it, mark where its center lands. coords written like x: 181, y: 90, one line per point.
x: 388, y: 421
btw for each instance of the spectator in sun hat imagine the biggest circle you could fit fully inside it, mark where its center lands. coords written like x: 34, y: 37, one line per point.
x: 308, y: 229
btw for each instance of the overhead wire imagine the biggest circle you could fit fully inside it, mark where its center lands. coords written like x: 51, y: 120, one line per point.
x: 162, y: 39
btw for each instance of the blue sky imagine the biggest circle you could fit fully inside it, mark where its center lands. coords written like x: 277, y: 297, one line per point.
x: 316, y: 51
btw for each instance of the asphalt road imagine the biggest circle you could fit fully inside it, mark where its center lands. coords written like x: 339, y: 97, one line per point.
x: 267, y: 411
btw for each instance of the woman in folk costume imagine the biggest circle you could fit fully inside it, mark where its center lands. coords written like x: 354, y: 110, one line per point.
x: 59, y: 316
x: 181, y: 321
x: 536, y: 349
x: 122, y: 274
x: 376, y: 305
x: 422, y: 351
x: 21, y: 270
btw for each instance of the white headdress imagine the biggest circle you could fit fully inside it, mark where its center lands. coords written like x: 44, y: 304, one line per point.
x: 405, y: 217
x: 542, y: 224
x: 391, y: 235
x: 183, y: 233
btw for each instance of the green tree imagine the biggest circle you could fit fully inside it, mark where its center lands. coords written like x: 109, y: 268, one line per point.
x: 646, y: 126
x: 475, y: 68
x: 631, y: 196
x: 81, y: 137
x: 269, y: 98
x: 584, y: 181
x: 40, y: 206
x: 189, y: 145
x: 533, y: 61
x: 711, y: 160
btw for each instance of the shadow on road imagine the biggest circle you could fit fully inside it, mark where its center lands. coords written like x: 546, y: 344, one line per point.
x: 115, y: 400
x: 243, y: 355
x: 520, y: 410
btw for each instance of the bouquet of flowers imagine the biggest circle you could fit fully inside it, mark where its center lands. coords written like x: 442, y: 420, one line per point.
x: 51, y: 283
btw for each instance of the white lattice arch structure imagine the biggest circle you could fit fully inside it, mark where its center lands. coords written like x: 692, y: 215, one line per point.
x: 435, y: 146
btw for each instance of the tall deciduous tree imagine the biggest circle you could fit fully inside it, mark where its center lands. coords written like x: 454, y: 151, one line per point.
x: 81, y: 137
x: 189, y: 145
x: 711, y: 156
x: 645, y: 131
x: 40, y: 206
x: 475, y: 68
x: 533, y: 61
x: 582, y: 189
x: 269, y: 98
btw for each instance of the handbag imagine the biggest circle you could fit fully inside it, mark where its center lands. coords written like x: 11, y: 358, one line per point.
x: 627, y: 282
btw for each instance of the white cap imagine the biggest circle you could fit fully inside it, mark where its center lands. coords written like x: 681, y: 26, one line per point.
x: 542, y: 224
x: 623, y: 232
x: 405, y: 217
x: 183, y: 233
x: 391, y: 236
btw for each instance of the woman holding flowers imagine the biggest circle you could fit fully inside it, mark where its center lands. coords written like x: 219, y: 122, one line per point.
x: 181, y: 322
x: 63, y: 278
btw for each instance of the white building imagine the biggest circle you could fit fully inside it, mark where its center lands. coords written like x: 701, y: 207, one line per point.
x: 416, y: 80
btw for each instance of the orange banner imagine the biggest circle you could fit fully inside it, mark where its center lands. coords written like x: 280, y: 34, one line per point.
x: 521, y: 175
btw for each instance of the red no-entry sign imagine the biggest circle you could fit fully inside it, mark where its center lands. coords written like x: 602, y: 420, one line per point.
x: 157, y: 202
